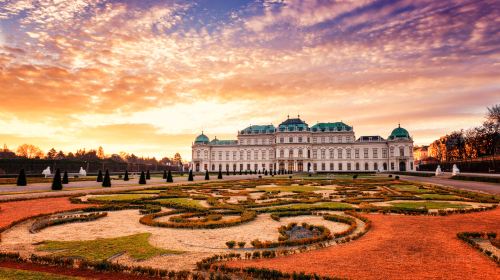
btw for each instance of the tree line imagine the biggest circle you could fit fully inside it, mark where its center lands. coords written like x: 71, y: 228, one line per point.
x: 477, y: 142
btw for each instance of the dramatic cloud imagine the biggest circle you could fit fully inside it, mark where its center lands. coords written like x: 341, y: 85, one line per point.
x: 170, y: 68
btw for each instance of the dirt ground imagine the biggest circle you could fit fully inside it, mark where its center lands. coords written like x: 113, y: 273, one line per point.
x: 401, y: 247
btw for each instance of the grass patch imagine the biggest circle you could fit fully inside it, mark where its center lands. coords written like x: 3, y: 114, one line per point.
x: 8, y: 273
x: 119, y: 197
x: 137, y: 246
x: 410, y: 188
x: 296, y: 189
x: 319, y: 206
x: 181, y: 202
x: 435, y: 196
x: 428, y: 205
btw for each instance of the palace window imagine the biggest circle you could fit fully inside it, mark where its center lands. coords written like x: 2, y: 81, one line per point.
x: 241, y: 166
x: 271, y: 154
x: 315, y: 166
x: 323, y: 154
x: 213, y: 167
x: 322, y: 139
x: 248, y: 166
x: 356, y: 153
x: 256, y: 155
x: 300, y: 153
x: 331, y: 139
x: 323, y: 166
x: 392, y: 152
x: 365, y: 150
x: 392, y: 165
x: 282, y: 153
x: 314, y: 139
x: 249, y: 155
x: 290, y: 140
x: 255, y: 167
x: 340, y: 166
x: 241, y: 155
x: 339, y: 153
x: 234, y: 155
x: 227, y: 167
x: 300, y: 139
x: 205, y: 153
x: 402, y: 151
x: 227, y: 155
x: 213, y: 155
x: 220, y: 155
x: 290, y: 153
x: 375, y: 166
x: 384, y: 153
x: 357, y: 165
x: 375, y: 153
x: 348, y: 154
x: 198, y: 154
x: 366, y: 165
x: 315, y: 153
x: 332, y: 154
x: 331, y: 166
x: 348, y: 166
x: 282, y: 140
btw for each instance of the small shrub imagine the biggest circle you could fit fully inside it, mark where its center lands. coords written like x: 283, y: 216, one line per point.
x: 397, y: 177
x: 21, y: 179
x: 230, y: 244
x: 57, y: 183
x: 241, y: 244
x: 99, y: 176
x: 142, y: 179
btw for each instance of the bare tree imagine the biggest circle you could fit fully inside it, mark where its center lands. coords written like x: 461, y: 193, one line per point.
x: 29, y: 151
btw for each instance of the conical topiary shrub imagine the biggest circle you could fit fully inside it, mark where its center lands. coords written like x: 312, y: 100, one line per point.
x: 148, y: 176
x: 106, y: 182
x: 220, y: 174
x: 164, y: 174
x: 125, y: 177
x: 169, y: 177
x: 207, y: 176
x: 241, y: 172
x: 56, y: 183
x: 142, y: 179
x: 21, y: 179
x: 99, y: 176
x: 65, y: 179
x: 190, y: 177
x: 227, y: 172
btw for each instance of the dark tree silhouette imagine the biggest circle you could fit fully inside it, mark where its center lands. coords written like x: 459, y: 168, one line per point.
x: 107, y: 180
x: 148, y: 176
x: 207, y: 176
x: 142, y: 179
x: 125, y: 178
x: 190, y: 177
x: 99, y: 176
x: 56, y: 183
x: 65, y: 179
x: 169, y: 177
x: 21, y: 179
x: 220, y: 174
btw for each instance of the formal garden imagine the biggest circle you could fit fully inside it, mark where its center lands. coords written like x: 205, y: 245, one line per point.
x: 190, y: 230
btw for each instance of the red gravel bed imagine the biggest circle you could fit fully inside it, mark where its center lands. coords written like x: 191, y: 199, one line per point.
x: 17, y: 210
x: 71, y: 272
x: 401, y: 247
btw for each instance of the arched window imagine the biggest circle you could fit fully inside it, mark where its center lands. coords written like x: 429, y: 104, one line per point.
x: 402, y: 151
x: 357, y: 165
x: 290, y: 153
x: 366, y: 165
x: 375, y: 166
x: 282, y: 153
x: 300, y: 153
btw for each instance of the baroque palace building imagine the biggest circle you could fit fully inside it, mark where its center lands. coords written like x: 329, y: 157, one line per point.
x: 294, y: 146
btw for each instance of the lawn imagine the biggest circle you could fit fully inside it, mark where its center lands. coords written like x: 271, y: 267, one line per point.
x: 428, y: 205
x: 181, y: 202
x: 432, y: 196
x: 297, y: 189
x: 8, y: 273
x: 319, y: 206
x: 410, y: 188
x: 119, y: 197
x: 137, y: 246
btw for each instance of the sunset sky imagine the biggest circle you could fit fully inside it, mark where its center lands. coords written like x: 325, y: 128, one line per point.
x: 147, y: 76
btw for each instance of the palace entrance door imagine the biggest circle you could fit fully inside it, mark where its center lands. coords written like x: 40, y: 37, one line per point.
x: 300, y: 166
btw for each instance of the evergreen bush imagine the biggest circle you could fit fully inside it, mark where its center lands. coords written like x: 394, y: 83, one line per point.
x: 169, y: 177
x: 142, y: 179
x: 106, y: 182
x: 65, y: 179
x: 56, y: 183
x: 21, y: 179
x: 125, y: 178
x: 99, y: 176
x: 190, y: 177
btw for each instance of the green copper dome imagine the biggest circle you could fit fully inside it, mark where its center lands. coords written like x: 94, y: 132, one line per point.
x: 399, y: 132
x: 201, y: 139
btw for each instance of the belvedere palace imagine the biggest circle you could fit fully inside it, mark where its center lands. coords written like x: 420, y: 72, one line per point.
x: 294, y: 146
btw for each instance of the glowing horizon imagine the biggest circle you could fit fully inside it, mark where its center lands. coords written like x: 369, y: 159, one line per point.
x: 146, y: 77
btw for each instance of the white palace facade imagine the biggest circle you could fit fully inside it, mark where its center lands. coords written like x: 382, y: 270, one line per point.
x: 294, y: 146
